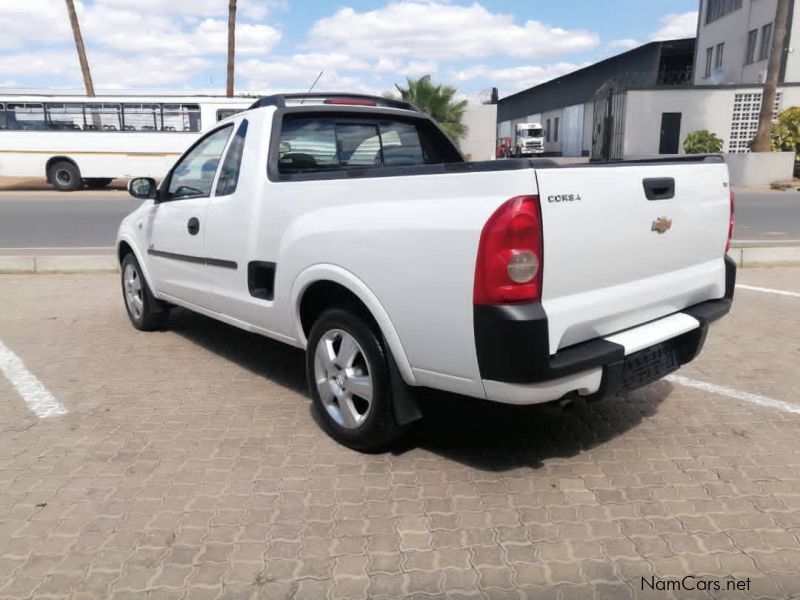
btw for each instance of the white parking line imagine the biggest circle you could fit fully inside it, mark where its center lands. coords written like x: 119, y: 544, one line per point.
x: 721, y: 390
x: 41, y: 402
x: 768, y: 290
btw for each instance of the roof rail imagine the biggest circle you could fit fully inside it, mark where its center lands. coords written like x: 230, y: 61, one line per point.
x: 279, y: 100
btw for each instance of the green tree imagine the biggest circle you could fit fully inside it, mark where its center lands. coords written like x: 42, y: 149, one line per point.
x: 702, y: 142
x: 785, y: 134
x: 437, y: 101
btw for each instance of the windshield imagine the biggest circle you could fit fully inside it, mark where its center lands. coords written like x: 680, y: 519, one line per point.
x: 531, y: 132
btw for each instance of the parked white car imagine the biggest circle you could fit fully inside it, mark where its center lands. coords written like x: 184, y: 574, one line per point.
x: 352, y: 227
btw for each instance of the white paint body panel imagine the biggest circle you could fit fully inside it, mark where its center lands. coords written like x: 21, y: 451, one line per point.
x: 406, y: 246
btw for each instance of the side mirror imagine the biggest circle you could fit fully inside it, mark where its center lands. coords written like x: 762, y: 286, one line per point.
x: 143, y: 187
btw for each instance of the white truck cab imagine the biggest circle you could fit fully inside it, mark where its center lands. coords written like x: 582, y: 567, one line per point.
x: 351, y: 226
x: 528, y: 139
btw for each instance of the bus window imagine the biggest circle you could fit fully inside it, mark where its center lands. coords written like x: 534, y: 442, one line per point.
x: 224, y: 113
x: 25, y: 116
x: 64, y: 116
x: 181, y: 117
x: 2, y: 116
x: 142, y: 117
x: 103, y: 117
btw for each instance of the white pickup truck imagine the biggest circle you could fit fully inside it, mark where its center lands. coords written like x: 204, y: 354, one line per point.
x: 352, y: 227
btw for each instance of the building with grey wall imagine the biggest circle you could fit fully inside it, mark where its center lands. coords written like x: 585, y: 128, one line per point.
x: 734, y: 39
x: 566, y: 105
x: 645, y: 102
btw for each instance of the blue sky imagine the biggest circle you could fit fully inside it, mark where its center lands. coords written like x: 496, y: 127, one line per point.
x: 360, y: 45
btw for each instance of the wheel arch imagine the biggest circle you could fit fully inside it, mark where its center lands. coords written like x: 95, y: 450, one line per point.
x: 326, y: 286
x: 126, y: 246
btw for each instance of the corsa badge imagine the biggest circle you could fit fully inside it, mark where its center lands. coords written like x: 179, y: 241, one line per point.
x: 661, y: 225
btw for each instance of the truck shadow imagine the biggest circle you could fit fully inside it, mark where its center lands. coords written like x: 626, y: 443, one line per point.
x: 482, y: 435
x: 496, y: 437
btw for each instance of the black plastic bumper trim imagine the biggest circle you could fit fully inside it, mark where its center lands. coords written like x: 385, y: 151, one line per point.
x: 513, y: 345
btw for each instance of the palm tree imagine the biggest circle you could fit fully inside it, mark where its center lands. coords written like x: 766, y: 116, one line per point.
x: 438, y: 101
x: 76, y: 33
x: 762, y: 142
x: 231, y: 45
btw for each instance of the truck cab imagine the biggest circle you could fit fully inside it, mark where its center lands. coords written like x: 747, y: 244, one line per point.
x: 528, y: 139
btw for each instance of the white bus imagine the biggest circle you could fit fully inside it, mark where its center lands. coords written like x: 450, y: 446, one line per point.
x: 78, y: 140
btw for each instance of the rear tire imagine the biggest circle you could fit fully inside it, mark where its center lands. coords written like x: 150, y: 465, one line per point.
x: 65, y: 176
x: 144, y: 310
x: 347, y: 374
x: 95, y: 183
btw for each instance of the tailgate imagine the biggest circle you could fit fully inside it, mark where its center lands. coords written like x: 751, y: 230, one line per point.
x: 614, y: 258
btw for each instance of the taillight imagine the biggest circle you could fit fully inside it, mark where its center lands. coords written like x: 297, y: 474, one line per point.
x: 509, y: 265
x: 730, y: 223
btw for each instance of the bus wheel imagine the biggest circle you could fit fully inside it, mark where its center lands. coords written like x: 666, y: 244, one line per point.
x: 65, y: 176
x: 95, y: 183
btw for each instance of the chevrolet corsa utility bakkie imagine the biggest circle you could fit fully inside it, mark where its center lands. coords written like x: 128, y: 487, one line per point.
x: 351, y: 226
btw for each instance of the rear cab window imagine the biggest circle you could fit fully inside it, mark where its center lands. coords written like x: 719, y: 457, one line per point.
x: 336, y: 144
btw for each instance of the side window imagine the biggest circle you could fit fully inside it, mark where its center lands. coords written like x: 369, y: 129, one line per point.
x: 22, y: 117
x: 2, y: 116
x: 229, y: 174
x: 142, y: 117
x: 224, y: 113
x: 193, y: 176
x: 64, y: 116
x: 103, y: 117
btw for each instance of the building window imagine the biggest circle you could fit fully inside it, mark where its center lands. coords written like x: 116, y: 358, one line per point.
x: 716, y: 9
x: 718, y: 61
x: 766, y: 41
x: 750, y: 56
x: 744, y: 121
x: 555, y: 129
x: 547, y: 131
x: 709, y: 59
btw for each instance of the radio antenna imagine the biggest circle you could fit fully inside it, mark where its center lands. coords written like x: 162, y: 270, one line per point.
x: 312, y: 85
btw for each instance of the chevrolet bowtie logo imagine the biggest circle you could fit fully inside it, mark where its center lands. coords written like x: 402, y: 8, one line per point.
x: 661, y: 225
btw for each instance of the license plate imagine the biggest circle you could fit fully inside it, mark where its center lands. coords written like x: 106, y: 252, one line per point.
x: 649, y: 365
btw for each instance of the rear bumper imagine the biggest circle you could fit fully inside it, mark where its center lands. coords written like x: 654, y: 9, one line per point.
x: 513, y: 349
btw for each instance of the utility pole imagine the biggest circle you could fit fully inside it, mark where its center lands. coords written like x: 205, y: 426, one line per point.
x: 231, y: 45
x: 76, y: 33
x: 762, y: 141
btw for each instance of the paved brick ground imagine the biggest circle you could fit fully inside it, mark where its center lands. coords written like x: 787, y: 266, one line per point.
x: 190, y: 466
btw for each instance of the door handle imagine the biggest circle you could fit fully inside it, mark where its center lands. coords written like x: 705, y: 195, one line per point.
x: 193, y: 226
x: 659, y: 188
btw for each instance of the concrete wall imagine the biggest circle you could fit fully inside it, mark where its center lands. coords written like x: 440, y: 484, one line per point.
x: 481, y: 122
x: 760, y: 168
x: 709, y: 109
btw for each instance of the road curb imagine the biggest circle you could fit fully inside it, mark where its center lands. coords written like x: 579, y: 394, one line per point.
x: 58, y: 264
x: 753, y: 256
x: 744, y: 256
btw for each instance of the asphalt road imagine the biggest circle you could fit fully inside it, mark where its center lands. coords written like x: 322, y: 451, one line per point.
x: 90, y: 219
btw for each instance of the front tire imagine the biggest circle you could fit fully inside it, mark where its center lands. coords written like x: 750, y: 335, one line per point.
x: 145, y: 312
x: 347, y: 374
x: 65, y: 176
